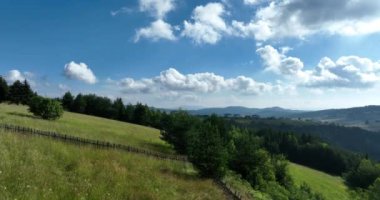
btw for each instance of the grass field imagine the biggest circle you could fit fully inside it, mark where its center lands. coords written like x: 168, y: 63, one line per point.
x: 88, y: 127
x: 332, y: 187
x: 41, y: 168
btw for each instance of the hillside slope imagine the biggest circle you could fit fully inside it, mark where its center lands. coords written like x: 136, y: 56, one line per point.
x: 331, y: 187
x: 41, y: 168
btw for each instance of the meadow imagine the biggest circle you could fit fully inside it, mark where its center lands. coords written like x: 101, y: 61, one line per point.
x: 41, y: 168
x: 88, y: 127
x: 331, y: 187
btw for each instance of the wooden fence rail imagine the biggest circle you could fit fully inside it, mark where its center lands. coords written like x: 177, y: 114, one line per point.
x: 230, y: 193
x: 85, y: 141
x: 227, y: 189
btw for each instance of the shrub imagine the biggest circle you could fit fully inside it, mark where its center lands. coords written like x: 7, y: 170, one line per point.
x: 46, y: 108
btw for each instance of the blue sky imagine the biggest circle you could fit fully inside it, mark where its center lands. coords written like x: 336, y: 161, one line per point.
x: 299, y: 54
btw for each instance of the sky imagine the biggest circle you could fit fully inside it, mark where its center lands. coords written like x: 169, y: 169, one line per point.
x: 297, y: 54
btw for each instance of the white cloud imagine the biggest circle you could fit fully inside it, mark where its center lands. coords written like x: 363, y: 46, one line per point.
x: 300, y: 18
x: 129, y: 85
x: 253, y: 2
x: 172, y: 82
x: 79, y: 71
x: 157, y: 8
x: 208, y: 26
x: 121, y: 10
x: 156, y: 31
x: 278, y: 62
x: 14, y: 75
x: 63, y: 87
x: 345, y: 72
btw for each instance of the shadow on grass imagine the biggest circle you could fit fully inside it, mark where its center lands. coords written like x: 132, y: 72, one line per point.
x: 180, y: 174
x: 22, y: 115
x: 161, y: 148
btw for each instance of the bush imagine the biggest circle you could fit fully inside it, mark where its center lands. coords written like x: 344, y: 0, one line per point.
x: 46, y: 108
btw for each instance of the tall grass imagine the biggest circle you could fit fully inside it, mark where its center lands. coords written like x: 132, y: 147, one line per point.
x: 39, y: 168
x: 88, y: 127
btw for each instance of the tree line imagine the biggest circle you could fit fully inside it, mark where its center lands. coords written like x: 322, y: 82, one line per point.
x: 21, y: 93
x: 216, y: 146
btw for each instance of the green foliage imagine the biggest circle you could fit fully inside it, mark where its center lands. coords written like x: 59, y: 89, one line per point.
x: 4, y: 90
x: 364, y: 175
x: 374, y: 190
x: 67, y: 101
x: 119, y: 108
x: 79, y: 104
x: 20, y: 93
x: 45, y: 108
x: 175, y: 127
x: 206, y: 151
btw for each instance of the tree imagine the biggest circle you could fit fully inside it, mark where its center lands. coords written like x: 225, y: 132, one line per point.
x: 16, y: 92
x: 120, y: 111
x: 141, y: 115
x: 374, y: 190
x: 4, y: 89
x: 206, y: 151
x: 364, y: 175
x: 20, y: 93
x: 27, y: 93
x: 175, y: 127
x: 45, y: 108
x: 79, y: 104
x: 67, y: 101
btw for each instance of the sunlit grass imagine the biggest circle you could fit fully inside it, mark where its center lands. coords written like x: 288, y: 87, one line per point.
x: 88, y: 127
x: 39, y: 168
x: 331, y: 187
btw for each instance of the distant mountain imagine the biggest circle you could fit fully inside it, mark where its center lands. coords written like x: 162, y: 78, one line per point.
x: 367, y: 117
x: 244, y: 111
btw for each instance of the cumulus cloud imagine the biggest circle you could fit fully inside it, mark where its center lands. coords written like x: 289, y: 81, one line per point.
x: 171, y: 82
x: 345, y: 72
x: 300, y: 18
x: 253, y: 2
x: 16, y: 75
x: 79, y: 71
x: 207, y: 24
x: 156, y: 31
x: 157, y: 8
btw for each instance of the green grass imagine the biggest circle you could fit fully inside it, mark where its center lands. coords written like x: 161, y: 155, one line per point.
x: 41, y: 168
x: 88, y: 127
x: 332, y: 187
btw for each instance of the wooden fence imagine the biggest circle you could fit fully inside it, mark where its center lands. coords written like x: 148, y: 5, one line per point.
x: 84, y: 141
x: 230, y: 193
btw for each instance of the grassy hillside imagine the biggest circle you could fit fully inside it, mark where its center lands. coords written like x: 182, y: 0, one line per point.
x: 88, y: 127
x: 41, y: 168
x: 333, y: 188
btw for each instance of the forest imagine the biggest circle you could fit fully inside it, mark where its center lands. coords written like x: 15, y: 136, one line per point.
x: 215, y: 146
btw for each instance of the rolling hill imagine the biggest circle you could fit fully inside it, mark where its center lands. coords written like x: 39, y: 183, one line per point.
x: 41, y: 168
x: 367, y: 117
x: 244, y: 111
